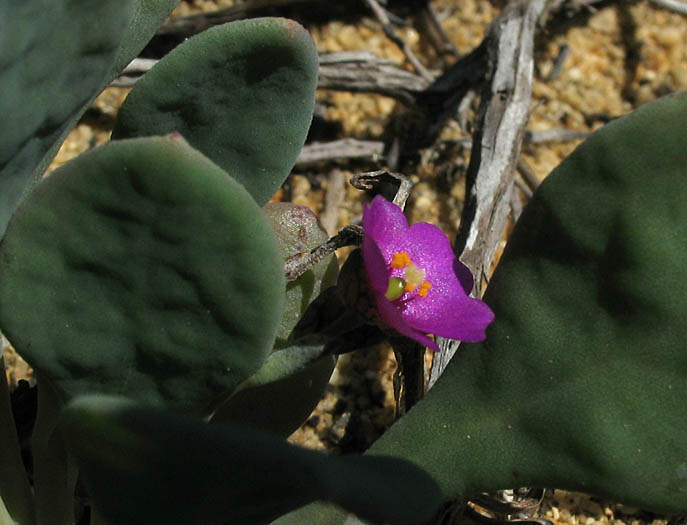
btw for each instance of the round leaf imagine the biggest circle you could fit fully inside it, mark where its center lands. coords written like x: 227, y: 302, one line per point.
x: 142, y: 268
x: 242, y: 93
x: 299, y: 231
x: 580, y: 384
x: 145, y: 465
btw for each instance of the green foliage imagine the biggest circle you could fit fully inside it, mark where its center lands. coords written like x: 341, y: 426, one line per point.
x: 143, y: 269
x: 47, y: 75
x: 280, y: 396
x: 581, y: 381
x: 146, y: 19
x: 52, y: 65
x: 298, y: 231
x: 580, y: 384
x: 286, y: 394
x: 242, y: 93
x: 144, y: 465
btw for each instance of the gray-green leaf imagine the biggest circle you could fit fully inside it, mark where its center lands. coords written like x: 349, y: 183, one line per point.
x: 145, y: 465
x: 242, y: 93
x: 141, y: 268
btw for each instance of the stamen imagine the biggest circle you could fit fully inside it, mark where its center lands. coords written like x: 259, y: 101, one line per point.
x: 400, y: 260
x: 424, y: 288
x: 409, y: 287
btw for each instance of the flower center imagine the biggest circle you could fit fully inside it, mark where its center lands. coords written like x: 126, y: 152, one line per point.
x: 414, y: 278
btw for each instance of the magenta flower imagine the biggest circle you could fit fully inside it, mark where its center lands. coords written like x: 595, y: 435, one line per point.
x: 419, y: 285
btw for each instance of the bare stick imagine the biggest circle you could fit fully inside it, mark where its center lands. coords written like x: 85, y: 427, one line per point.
x: 528, y: 175
x: 297, y: 264
x: 131, y: 73
x: 676, y: 6
x: 192, y: 24
x: 363, y: 72
x: 554, y: 135
x: 333, y: 199
x: 376, y: 179
x: 390, y: 32
x: 429, y: 24
x: 343, y: 149
x: 558, y: 62
x: 499, y: 130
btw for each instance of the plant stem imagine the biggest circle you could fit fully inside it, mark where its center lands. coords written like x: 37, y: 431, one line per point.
x: 409, y: 380
x: 15, y: 490
x: 53, y: 483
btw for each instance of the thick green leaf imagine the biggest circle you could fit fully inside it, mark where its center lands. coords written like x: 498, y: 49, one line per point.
x: 54, y: 57
x: 282, y: 394
x: 147, y: 18
x: 582, y: 381
x: 298, y: 231
x: 142, y: 268
x: 144, y: 465
x: 242, y: 93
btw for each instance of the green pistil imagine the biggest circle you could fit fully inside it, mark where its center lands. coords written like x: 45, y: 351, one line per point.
x: 395, y: 289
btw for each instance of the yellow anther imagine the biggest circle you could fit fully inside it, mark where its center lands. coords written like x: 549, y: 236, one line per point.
x: 409, y: 287
x: 424, y: 288
x: 400, y: 260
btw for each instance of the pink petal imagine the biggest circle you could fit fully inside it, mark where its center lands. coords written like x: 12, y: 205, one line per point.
x: 375, y: 266
x: 447, y: 310
x: 386, y: 225
x: 464, y: 319
x: 431, y: 250
x: 389, y: 313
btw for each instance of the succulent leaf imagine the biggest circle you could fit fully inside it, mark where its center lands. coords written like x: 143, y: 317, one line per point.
x: 580, y: 384
x: 51, y: 65
x: 142, y: 268
x: 581, y: 381
x: 145, y: 465
x: 55, y: 57
x: 242, y: 93
x: 281, y: 395
x: 146, y: 19
x: 299, y: 231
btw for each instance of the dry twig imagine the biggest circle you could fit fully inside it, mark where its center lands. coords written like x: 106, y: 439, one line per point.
x: 390, y: 32
x: 363, y: 72
x: 343, y: 149
x: 498, y: 135
x: 528, y: 175
x: 333, y: 199
x: 192, y: 24
x: 299, y: 263
x: 676, y: 6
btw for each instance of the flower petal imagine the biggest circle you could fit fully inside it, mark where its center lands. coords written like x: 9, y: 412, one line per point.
x: 446, y: 310
x: 375, y: 266
x: 465, y: 319
x: 431, y: 250
x: 389, y: 313
x: 385, y: 223
x: 464, y: 275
